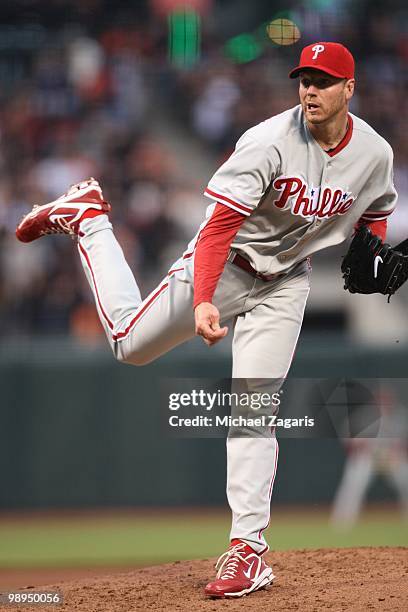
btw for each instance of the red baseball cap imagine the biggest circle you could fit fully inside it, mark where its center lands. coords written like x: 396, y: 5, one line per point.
x: 329, y: 57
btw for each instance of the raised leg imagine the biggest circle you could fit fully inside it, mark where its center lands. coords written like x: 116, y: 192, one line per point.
x: 138, y: 330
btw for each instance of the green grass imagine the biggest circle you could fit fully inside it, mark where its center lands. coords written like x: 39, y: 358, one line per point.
x: 144, y: 539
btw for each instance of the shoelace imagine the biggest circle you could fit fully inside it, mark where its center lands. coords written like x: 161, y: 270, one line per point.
x: 227, y: 563
x: 57, y: 230
x: 64, y: 228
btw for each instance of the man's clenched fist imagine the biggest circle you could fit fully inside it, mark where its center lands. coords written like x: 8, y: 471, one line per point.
x: 207, y: 323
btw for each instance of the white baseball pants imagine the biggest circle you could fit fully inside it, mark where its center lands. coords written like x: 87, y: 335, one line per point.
x: 267, y: 320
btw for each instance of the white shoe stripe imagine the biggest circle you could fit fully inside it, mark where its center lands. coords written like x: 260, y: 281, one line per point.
x: 82, y: 207
x: 263, y: 580
x: 78, y: 193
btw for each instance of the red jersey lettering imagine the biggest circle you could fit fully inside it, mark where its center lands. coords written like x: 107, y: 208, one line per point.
x: 307, y: 203
x: 289, y: 188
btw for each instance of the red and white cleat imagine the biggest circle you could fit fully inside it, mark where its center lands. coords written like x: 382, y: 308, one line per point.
x: 64, y: 215
x: 240, y: 571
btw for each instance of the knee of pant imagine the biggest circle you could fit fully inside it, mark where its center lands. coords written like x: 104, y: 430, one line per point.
x: 136, y: 357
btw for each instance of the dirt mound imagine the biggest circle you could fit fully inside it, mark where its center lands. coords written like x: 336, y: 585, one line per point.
x: 307, y: 580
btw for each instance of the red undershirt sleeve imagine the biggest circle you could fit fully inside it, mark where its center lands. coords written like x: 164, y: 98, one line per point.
x: 212, y: 251
x: 378, y: 228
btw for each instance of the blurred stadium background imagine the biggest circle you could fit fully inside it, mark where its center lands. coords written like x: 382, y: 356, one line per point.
x: 150, y: 97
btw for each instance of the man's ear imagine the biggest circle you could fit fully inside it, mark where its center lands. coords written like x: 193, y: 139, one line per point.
x: 349, y: 87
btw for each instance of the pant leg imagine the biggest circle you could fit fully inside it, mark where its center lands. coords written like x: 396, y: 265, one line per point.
x: 265, y: 338
x: 398, y: 474
x: 349, y: 497
x: 138, y: 330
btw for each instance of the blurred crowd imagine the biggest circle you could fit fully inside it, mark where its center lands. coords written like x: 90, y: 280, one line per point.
x: 82, y: 96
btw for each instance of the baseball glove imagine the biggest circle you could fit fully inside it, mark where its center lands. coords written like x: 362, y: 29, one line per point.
x: 372, y: 266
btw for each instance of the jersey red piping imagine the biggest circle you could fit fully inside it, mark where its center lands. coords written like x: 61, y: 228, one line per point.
x: 346, y: 139
x: 241, y: 207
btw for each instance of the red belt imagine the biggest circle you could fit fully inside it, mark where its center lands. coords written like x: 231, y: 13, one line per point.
x: 241, y: 262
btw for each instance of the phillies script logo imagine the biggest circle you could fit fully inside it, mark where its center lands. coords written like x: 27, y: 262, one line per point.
x: 323, y: 203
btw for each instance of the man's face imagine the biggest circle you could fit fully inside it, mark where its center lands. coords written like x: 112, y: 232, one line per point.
x: 323, y: 96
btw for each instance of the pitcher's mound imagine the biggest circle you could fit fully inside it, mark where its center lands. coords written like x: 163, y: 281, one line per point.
x: 356, y: 579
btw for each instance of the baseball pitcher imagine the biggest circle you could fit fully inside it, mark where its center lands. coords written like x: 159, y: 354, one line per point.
x: 296, y: 183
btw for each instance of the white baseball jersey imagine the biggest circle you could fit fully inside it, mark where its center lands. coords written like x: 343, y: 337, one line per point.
x: 297, y: 197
